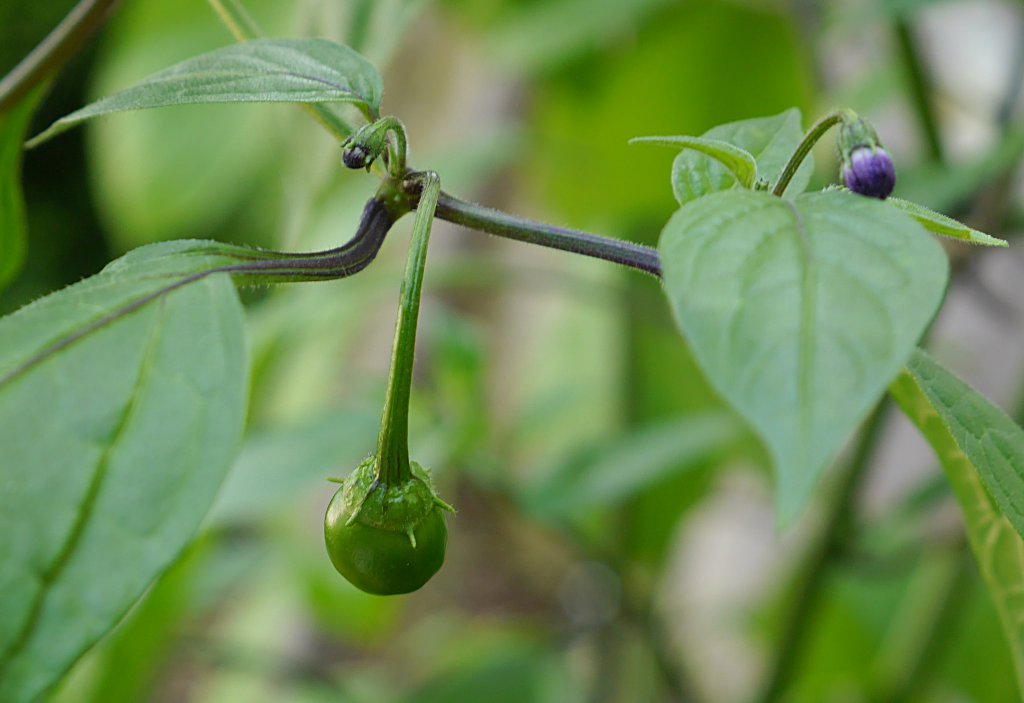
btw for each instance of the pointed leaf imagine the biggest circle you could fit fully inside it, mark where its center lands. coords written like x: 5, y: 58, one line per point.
x: 982, y: 454
x: 262, y: 70
x: 739, y: 161
x: 121, y: 405
x: 800, y: 313
x: 771, y: 141
x: 946, y: 226
x: 13, y: 125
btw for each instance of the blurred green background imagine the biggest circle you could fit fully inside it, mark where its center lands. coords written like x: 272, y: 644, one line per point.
x: 615, y: 539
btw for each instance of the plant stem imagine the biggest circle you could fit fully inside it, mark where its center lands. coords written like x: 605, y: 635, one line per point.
x: 1014, y: 84
x: 815, y: 133
x: 393, y: 441
x: 920, y: 88
x: 502, y: 224
x: 938, y: 630
x: 239, y: 22
x: 459, y: 211
x: 55, y: 50
x: 243, y: 28
x: 806, y: 593
x: 359, y: 25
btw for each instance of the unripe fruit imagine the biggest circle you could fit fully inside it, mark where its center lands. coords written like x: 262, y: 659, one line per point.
x: 386, y: 539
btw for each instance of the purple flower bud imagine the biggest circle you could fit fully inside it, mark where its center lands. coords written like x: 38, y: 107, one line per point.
x: 869, y: 171
x: 355, y: 156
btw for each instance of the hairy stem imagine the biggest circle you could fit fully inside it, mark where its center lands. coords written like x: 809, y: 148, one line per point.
x: 393, y: 441
x: 815, y: 133
x: 920, y: 87
x: 805, y: 595
x: 55, y: 50
x: 502, y: 224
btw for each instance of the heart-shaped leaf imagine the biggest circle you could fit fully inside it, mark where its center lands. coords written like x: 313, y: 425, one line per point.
x: 771, y: 141
x: 982, y: 454
x: 800, y: 313
x: 121, y: 405
x: 257, y: 71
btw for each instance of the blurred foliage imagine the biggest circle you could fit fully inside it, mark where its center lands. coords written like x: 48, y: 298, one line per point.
x: 589, y: 534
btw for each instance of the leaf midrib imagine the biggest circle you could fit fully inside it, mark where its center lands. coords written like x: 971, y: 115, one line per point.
x: 805, y: 351
x: 66, y: 341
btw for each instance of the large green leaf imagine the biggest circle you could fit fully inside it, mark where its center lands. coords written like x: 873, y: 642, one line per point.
x: 262, y: 70
x: 13, y: 125
x: 121, y: 405
x: 800, y: 313
x: 771, y: 140
x: 982, y: 454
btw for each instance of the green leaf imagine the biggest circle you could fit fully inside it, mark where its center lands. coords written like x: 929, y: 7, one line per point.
x: 771, y: 141
x: 946, y: 226
x: 982, y: 455
x: 622, y: 468
x: 13, y: 125
x: 800, y: 313
x: 262, y: 70
x: 739, y: 161
x: 121, y: 406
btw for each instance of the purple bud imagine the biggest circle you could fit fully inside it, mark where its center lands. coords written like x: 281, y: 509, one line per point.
x: 869, y: 171
x: 355, y: 156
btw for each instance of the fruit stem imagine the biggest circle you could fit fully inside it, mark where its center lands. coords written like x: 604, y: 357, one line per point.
x: 393, y: 441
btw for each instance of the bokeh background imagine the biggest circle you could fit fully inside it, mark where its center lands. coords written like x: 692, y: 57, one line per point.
x: 615, y: 539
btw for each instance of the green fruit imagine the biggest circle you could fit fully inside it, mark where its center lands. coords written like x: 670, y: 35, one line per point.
x: 386, y: 539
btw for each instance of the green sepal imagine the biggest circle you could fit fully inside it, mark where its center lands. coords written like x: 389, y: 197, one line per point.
x: 397, y: 507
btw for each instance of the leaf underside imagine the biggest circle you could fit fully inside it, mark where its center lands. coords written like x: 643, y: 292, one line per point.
x: 982, y: 454
x: 261, y: 71
x: 800, y: 313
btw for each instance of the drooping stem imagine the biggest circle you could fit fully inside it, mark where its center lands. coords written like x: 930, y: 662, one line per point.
x: 55, y: 50
x: 397, y: 165
x: 502, y: 224
x: 815, y: 133
x: 393, y: 441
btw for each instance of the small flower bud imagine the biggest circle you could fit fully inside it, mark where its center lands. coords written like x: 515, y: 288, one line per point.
x: 869, y: 171
x: 355, y: 156
x: 867, y: 168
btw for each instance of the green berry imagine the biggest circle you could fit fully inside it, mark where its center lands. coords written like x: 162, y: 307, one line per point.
x: 386, y: 539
